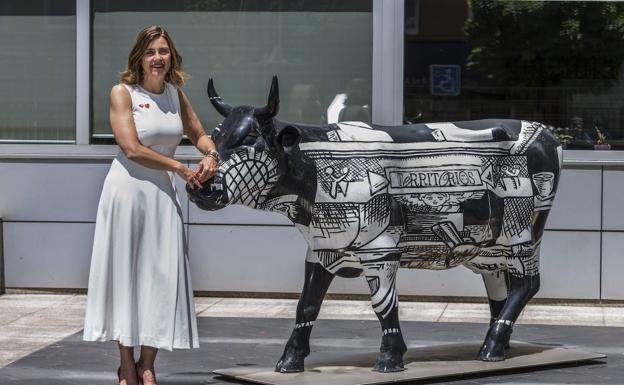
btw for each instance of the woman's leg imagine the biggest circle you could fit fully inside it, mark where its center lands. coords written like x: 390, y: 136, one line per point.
x: 145, y: 365
x: 127, y: 370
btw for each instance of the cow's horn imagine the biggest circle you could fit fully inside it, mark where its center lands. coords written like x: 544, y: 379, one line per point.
x: 222, y: 107
x: 272, y: 107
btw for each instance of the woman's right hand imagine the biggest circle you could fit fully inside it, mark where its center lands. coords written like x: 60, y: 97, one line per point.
x: 189, y: 176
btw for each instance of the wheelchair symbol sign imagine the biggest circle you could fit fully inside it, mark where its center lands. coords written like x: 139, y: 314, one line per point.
x: 445, y: 79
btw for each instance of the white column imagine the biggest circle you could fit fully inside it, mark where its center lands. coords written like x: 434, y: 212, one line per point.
x: 388, y: 16
x: 83, y: 38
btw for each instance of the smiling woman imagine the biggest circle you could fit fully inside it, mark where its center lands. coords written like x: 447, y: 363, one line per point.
x: 154, y: 53
x: 140, y: 292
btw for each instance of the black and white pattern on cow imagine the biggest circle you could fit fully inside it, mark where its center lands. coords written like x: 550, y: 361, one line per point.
x: 423, y: 252
x: 506, y: 175
x: 544, y: 183
x: 290, y: 206
x: 335, y: 175
x: 249, y: 175
x: 524, y: 259
x: 376, y: 210
x: 334, y: 218
x: 437, y: 202
x: 421, y: 233
x: 335, y: 260
x: 517, y: 218
x: 473, y: 193
x: 384, y: 297
x: 529, y: 133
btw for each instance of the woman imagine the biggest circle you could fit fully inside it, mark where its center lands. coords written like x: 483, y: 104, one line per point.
x: 140, y: 292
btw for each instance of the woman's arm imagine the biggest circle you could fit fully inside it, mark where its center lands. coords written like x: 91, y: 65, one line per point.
x: 122, y: 123
x: 195, y: 132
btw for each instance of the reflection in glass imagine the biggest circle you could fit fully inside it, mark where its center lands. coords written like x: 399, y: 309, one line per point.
x: 38, y: 77
x: 315, y: 48
x: 556, y: 62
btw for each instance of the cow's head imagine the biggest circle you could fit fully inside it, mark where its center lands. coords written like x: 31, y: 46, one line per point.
x: 246, y: 141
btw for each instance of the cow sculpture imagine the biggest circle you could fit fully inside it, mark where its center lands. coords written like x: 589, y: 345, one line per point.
x: 369, y: 200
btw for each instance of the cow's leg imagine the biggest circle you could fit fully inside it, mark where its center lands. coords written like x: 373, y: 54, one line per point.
x: 380, y: 268
x: 317, y: 281
x: 496, y: 288
x: 524, y: 283
x: 521, y: 290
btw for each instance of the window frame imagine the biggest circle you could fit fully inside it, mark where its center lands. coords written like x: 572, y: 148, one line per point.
x: 388, y: 35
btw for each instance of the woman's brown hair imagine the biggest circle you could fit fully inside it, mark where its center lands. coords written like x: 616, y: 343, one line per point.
x: 133, y: 74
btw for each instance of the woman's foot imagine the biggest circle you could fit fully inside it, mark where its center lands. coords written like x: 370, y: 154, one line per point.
x: 146, y: 375
x: 127, y: 376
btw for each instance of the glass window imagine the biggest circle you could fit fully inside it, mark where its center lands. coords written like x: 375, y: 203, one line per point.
x: 320, y: 50
x: 38, y: 77
x: 556, y: 62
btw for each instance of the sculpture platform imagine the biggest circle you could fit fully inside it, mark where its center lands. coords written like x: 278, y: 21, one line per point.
x: 423, y: 363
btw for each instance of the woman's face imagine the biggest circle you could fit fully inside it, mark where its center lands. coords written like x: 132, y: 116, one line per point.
x: 157, y: 58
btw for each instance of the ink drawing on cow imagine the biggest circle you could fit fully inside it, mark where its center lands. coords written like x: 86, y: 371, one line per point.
x: 369, y: 200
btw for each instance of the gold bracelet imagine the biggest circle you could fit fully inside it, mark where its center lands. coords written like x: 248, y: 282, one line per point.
x: 213, y: 154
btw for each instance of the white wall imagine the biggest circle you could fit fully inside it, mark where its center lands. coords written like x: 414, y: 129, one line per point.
x: 49, y: 212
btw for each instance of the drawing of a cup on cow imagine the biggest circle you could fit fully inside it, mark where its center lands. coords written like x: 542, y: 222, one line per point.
x: 369, y: 200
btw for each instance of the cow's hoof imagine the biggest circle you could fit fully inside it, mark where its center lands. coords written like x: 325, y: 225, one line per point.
x: 492, y: 352
x: 389, y: 362
x: 290, y: 363
x: 496, y: 342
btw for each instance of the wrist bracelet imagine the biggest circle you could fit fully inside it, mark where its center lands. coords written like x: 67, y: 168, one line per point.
x: 213, y: 154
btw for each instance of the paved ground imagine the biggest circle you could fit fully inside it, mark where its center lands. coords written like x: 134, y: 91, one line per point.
x: 40, y: 338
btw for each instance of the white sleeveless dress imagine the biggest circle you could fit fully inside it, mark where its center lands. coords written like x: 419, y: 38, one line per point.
x: 139, y: 286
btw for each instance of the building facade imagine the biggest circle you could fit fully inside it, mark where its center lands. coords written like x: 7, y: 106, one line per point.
x: 389, y: 61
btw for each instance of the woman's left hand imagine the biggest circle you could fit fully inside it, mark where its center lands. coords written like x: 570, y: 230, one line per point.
x: 206, y: 168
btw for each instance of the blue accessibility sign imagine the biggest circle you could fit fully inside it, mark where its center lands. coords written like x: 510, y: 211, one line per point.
x: 445, y: 79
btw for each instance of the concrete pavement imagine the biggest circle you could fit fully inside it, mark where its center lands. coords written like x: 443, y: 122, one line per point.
x: 29, y: 322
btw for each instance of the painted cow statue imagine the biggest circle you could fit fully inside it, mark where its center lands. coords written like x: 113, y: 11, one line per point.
x: 370, y: 199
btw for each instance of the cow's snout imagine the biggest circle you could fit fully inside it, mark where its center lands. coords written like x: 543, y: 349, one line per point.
x: 209, y: 197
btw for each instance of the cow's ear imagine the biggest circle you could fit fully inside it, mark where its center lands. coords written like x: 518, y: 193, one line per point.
x: 288, y: 139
